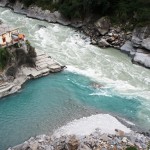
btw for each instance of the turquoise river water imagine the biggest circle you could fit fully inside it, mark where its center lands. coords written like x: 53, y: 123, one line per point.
x: 47, y: 103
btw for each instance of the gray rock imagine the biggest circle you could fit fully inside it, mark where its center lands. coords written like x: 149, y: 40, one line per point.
x: 139, y: 34
x: 136, y: 41
x: 146, y: 43
x: 49, y: 148
x: 125, y: 140
x: 104, y: 137
x: 103, y: 25
x: 127, y: 47
x: 94, y: 42
x: 84, y: 147
x: 143, y: 59
x: 34, y: 145
x: 119, y: 132
x: 103, y: 43
x: 140, y: 50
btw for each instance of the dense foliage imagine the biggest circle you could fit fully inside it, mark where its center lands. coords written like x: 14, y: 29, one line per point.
x: 4, y: 57
x: 131, y: 148
x: 119, y: 10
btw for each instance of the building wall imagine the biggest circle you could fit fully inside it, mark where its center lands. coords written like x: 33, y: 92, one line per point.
x: 7, y: 37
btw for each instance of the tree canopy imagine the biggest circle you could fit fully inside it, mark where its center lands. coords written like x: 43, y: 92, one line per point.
x: 120, y: 10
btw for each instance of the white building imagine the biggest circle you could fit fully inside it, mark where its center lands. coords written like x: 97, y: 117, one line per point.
x: 9, y: 36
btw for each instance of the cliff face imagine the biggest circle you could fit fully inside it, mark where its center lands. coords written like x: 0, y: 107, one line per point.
x: 12, y: 79
x: 18, y: 56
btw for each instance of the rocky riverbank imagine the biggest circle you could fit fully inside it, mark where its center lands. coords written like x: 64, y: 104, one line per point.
x: 135, y: 43
x: 95, y: 141
x: 90, y: 133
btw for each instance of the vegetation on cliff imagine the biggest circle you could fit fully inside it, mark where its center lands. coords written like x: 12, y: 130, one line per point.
x: 136, y: 12
x: 4, y: 57
x: 15, y: 56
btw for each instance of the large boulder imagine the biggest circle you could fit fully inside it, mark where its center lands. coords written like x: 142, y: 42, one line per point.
x: 146, y: 43
x: 73, y: 143
x: 103, y: 25
x: 128, y: 48
x: 139, y: 34
x: 143, y: 59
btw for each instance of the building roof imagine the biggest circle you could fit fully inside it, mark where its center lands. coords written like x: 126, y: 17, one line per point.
x: 5, y: 28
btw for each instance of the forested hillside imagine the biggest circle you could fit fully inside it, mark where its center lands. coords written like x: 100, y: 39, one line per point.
x: 135, y: 11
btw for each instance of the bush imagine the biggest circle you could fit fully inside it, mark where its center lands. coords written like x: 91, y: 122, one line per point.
x: 131, y: 148
x: 31, y: 52
x: 30, y: 61
x: 20, y: 56
x: 11, y: 71
x: 28, y: 2
x: 4, y: 57
x: 24, y: 58
x: 12, y: 1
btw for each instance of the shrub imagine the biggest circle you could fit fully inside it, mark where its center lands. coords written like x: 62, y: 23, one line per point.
x: 20, y: 56
x: 11, y: 71
x: 31, y: 51
x: 131, y: 148
x: 4, y: 57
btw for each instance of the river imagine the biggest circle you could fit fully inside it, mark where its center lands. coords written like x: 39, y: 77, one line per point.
x: 47, y: 103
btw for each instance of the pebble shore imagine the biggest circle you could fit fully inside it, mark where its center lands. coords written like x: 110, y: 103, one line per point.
x: 94, y: 141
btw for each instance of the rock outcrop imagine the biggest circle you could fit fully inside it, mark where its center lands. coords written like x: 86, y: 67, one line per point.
x: 103, y: 25
x: 139, y: 46
x: 139, y: 34
x: 142, y: 59
x: 128, y: 48
x: 44, y: 66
